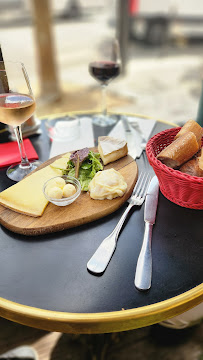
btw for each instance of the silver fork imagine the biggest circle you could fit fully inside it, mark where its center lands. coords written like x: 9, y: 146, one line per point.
x: 102, y: 256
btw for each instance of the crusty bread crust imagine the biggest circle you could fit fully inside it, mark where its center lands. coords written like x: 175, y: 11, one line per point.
x: 191, y: 167
x: 192, y: 126
x: 179, y: 151
x: 200, y: 159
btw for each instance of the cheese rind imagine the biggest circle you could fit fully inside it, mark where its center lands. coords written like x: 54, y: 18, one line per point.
x: 111, y: 149
x: 26, y: 196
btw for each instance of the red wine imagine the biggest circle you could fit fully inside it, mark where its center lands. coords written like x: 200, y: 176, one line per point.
x: 104, y: 70
x: 16, y: 108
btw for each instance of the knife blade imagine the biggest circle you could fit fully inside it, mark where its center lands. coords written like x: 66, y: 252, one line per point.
x: 133, y: 139
x: 143, y: 274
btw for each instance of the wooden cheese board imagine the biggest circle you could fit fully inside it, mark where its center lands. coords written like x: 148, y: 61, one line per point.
x: 82, y: 211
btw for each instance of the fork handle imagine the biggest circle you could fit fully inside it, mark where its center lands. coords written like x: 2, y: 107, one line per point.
x: 143, y: 274
x: 100, y: 259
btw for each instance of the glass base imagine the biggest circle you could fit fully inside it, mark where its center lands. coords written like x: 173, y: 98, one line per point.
x: 18, y: 172
x: 104, y: 120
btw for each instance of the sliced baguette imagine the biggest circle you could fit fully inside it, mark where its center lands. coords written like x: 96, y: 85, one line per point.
x: 192, y: 167
x: 179, y: 151
x: 192, y: 126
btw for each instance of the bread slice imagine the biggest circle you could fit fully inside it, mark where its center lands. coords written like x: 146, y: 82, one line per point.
x: 192, y: 167
x: 200, y: 160
x: 111, y: 149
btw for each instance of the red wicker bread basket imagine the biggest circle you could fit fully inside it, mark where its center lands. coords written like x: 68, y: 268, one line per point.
x: 182, y: 189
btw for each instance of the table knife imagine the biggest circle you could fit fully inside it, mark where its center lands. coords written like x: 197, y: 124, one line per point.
x: 133, y: 139
x: 143, y: 274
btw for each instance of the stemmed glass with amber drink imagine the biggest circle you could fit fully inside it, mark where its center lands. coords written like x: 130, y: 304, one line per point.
x: 17, y: 105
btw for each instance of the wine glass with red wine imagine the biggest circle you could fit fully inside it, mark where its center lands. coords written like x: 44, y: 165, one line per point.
x: 17, y: 105
x: 104, y: 70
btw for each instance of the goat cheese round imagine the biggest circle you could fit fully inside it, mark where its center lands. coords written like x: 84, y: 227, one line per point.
x: 54, y: 192
x: 69, y: 190
x: 58, y: 181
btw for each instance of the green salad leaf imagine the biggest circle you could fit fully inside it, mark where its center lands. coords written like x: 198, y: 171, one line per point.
x: 89, y: 167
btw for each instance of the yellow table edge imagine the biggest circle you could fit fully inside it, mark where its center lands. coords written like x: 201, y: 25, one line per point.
x: 49, y: 116
x: 92, y: 323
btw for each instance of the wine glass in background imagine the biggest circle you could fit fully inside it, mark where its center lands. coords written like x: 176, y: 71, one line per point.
x: 17, y: 104
x: 104, y: 69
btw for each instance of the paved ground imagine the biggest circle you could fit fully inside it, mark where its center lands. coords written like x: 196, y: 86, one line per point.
x: 149, y: 343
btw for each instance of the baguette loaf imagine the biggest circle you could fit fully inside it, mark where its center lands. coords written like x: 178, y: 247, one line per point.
x: 192, y: 126
x: 179, y: 151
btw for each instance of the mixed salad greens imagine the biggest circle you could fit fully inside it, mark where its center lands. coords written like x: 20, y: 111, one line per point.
x: 83, y: 164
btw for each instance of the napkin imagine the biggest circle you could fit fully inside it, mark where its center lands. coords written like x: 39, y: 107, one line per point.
x: 85, y: 138
x: 9, y: 152
x: 135, y: 131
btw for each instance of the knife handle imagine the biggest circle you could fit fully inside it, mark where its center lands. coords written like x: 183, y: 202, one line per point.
x: 143, y: 274
x: 100, y: 259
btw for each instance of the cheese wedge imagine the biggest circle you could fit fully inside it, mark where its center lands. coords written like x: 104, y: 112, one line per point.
x: 26, y: 196
x: 111, y: 149
x: 67, y: 155
x: 60, y: 164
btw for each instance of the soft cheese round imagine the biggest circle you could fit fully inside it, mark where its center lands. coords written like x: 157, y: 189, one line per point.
x: 107, y: 184
x: 69, y: 190
x: 54, y: 192
x: 57, y: 181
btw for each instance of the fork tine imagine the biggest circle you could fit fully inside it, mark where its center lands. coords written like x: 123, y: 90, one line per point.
x: 146, y: 162
x: 145, y: 186
x: 138, y: 185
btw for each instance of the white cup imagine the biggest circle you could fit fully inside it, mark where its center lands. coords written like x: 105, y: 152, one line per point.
x: 67, y: 129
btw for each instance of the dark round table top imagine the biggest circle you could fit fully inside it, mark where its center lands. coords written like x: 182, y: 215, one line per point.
x: 44, y: 281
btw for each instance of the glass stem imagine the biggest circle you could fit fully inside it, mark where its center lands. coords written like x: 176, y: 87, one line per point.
x: 104, y: 103
x: 18, y: 134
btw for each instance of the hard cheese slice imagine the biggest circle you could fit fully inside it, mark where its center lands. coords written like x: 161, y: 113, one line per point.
x: 111, y: 149
x: 60, y: 163
x: 67, y: 155
x: 27, y: 196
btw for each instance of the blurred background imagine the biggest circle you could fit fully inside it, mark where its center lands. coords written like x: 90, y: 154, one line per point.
x: 161, y: 50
